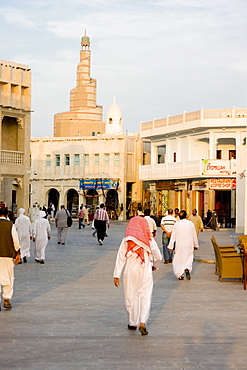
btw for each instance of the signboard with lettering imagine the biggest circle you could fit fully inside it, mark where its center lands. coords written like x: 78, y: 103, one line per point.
x: 215, y: 167
x: 97, y: 184
x: 200, y: 185
x: 222, y: 184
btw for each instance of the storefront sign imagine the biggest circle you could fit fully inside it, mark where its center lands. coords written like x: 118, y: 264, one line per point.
x: 179, y: 185
x: 200, y: 185
x: 215, y: 167
x: 86, y: 184
x: 222, y: 184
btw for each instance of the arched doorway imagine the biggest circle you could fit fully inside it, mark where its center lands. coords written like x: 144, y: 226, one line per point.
x: 53, y: 197
x: 73, y: 202
x: 112, y: 204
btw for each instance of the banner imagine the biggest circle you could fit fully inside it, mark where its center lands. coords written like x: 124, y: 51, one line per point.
x: 222, y: 184
x: 97, y: 184
x: 215, y: 167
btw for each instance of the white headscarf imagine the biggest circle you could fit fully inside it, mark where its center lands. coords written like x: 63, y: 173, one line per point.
x: 42, y: 214
x: 21, y: 211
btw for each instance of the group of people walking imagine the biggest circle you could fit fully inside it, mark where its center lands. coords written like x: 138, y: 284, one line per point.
x: 138, y: 254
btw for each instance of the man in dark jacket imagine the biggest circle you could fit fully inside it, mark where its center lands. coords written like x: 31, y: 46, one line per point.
x: 9, y: 255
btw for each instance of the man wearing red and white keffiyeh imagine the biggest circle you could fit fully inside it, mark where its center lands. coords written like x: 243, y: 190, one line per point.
x: 139, y: 254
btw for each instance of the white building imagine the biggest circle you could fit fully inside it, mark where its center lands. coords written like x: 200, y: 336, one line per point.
x: 190, y: 162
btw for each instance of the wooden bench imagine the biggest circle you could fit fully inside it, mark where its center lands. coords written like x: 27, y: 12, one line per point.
x: 228, y: 263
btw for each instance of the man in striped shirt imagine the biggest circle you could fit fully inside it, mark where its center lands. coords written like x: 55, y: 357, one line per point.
x: 100, y: 220
x: 167, y: 224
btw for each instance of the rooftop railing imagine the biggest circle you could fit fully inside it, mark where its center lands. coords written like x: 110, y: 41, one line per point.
x: 194, y: 116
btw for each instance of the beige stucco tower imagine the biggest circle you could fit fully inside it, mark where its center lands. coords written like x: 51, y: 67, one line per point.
x: 15, y: 124
x: 84, y: 117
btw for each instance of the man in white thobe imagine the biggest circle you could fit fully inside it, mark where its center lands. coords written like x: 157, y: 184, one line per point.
x: 185, y: 238
x: 139, y: 255
x: 41, y: 235
x: 24, y: 230
x: 9, y: 255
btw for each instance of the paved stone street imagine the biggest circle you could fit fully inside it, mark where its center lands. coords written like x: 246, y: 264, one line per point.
x: 67, y: 314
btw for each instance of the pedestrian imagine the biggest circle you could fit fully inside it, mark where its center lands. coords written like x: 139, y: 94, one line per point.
x: 52, y: 210
x: 9, y: 256
x: 176, y: 214
x: 185, y: 239
x: 86, y: 217
x: 101, y: 219
x: 208, y: 223
x: 24, y: 231
x: 41, y: 235
x: 139, y: 211
x: 167, y: 223
x: 151, y: 223
x: 214, y: 220
x: 139, y: 254
x: 62, y: 224
x: 49, y: 212
x: 81, y: 217
x: 197, y: 221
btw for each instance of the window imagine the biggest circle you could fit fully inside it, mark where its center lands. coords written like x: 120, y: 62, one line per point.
x: 144, y: 158
x: 232, y: 154
x: 48, y: 160
x: 96, y: 159
x: 174, y: 157
x: 93, y: 133
x: 86, y: 159
x: 79, y: 133
x: 57, y: 160
x: 218, y: 154
x: 66, y: 159
x: 106, y: 159
x: 77, y: 160
x: 116, y: 159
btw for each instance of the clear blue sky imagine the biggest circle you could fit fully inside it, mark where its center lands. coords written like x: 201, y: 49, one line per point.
x: 158, y: 57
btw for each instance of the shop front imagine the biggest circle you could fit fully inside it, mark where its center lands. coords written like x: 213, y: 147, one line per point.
x: 96, y: 191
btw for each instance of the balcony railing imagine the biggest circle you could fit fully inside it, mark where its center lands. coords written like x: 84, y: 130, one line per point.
x: 11, y: 157
x: 188, y: 169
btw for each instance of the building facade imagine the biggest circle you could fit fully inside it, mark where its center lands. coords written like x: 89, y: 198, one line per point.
x: 15, y: 113
x: 189, y: 161
x: 75, y: 171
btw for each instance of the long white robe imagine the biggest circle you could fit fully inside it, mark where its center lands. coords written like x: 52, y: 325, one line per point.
x: 185, y: 238
x: 41, y: 232
x: 24, y: 230
x: 138, y: 281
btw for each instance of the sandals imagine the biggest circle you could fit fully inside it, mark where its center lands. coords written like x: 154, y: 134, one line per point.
x: 181, y: 277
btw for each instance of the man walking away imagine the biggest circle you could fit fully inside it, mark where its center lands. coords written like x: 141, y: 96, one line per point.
x: 9, y: 255
x: 197, y: 221
x: 41, y: 235
x: 24, y: 231
x: 138, y: 254
x: 151, y: 223
x: 185, y: 239
x: 100, y: 220
x: 81, y: 217
x: 167, y: 223
x: 61, y: 224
